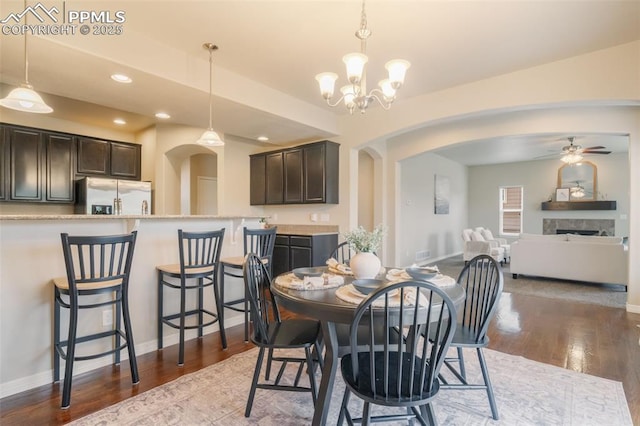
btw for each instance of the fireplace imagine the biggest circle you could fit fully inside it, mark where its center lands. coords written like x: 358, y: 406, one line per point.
x: 579, y: 226
x: 579, y: 231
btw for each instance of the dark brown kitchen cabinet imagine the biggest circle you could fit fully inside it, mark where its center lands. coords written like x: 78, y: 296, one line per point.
x: 293, y: 176
x: 125, y: 160
x: 304, y: 174
x: 274, y: 175
x: 103, y: 158
x: 3, y: 168
x: 36, y: 166
x: 59, y: 164
x: 299, y: 251
x: 25, y: 151
x: 257, y: 185
x: 93, y: 157
x: 39, y: 165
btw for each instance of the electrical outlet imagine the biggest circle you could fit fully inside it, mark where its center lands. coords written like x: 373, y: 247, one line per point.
x: 107, y: 317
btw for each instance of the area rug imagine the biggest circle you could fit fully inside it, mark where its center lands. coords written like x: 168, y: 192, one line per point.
x: 527, y: 393
x: 610, y: 295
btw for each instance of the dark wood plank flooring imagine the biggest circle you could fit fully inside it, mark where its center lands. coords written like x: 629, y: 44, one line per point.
x: 593, y: 339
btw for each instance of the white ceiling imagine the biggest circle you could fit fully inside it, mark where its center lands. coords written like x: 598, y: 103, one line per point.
x: 270, y: 52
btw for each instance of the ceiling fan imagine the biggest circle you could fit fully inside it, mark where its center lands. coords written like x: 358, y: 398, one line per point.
x: 572, y: 154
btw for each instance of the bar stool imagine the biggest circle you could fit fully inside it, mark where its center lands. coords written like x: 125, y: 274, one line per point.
x: 95, y: 265
x: 198, y: 268
x: 259, y: 242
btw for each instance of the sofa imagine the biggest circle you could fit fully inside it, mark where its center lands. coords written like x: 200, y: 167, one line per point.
x: 571, y: 257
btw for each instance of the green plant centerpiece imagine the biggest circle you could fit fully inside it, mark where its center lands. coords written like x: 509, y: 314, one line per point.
x: 365, y: 264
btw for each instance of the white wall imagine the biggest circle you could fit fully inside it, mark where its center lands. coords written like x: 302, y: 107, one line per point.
x: 366, y: 179
x: 539, y: 180
x: 419, y: 227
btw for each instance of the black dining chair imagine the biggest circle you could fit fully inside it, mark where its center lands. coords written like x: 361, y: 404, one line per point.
x: 483, y: 281
x: 402, y: 374
x: 271, y: 333
x: 198, y: 268
x: 343, y: 253
x: 260, y: 242
x: 98, y: 270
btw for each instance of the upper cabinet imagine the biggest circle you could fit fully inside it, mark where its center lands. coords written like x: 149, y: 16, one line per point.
x: 41, y: 166
x: 108, y: 159
x: 257, y: 165
x: 93, y: 156
x: 59, y: 164
x: 125, y: 160
x: 273, y: 177
x: 304, y: 174
x: 36, y: 165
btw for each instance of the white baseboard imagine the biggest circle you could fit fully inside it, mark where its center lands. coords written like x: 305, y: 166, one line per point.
x: 46, y: 377
x: 435, y: 259
x: 634, y: 309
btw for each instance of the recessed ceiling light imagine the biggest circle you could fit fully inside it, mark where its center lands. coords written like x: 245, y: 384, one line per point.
x: 263, y: 138
x: 121, y: 78
x: 162, y: 115
x: 119, y: 121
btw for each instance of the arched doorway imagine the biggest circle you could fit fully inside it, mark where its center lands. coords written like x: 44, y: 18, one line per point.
x: 190, y: 181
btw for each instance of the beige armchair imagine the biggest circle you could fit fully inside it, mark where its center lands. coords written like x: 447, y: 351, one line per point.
x: 502, y: 242
x: 474, y: 244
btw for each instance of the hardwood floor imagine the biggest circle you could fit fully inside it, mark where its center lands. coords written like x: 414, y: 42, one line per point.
x: 592, y: 339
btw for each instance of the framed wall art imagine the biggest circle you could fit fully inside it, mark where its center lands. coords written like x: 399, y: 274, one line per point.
x: 441, y: 195
x: 562, y: 194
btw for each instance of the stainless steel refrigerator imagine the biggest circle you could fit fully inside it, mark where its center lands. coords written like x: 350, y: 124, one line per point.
x: 112, y: 196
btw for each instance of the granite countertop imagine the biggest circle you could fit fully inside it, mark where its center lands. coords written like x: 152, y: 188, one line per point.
x: 306, y: 229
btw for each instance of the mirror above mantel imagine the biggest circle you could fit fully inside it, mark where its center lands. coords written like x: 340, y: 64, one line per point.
x: 581, y: 180
x: 578, y: 184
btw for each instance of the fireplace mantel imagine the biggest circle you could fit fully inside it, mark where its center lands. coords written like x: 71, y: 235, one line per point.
x: 579, y: 205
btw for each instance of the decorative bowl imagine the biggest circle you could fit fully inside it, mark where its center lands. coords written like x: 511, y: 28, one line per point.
x: 422, y: 272
x: 300, y: 273
x: 366, y: 286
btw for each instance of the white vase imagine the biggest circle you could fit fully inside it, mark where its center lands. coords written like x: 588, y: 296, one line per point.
x: 365, y: 265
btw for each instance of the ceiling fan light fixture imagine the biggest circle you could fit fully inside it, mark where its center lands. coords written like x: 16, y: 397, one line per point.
x: 572, y: 158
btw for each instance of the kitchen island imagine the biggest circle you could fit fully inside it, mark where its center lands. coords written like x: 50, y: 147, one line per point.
x: 31, y: 255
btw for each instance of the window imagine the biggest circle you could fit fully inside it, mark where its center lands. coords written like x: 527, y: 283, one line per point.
x: 510, y: 210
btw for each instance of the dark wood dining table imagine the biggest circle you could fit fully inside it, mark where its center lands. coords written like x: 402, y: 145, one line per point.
x: 332, y: 313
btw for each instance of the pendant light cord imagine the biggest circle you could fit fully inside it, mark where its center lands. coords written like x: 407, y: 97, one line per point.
x: 210, y: 89
x: 26, y: 56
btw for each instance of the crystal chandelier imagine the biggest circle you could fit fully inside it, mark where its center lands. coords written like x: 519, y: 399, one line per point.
x: 355, y: 93
x: 210, y: 137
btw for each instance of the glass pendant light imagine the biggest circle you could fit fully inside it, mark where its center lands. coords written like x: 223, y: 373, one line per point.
x: 210, y: 137
x: 24, y: 98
